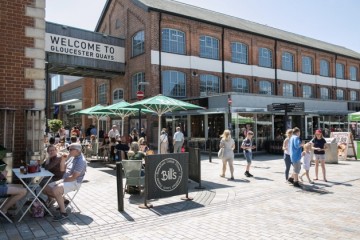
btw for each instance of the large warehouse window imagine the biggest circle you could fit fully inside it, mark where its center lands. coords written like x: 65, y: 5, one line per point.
x: 288, y: 90
x: 339, y: 94
x: 266, y: 87
x: 307, y: 65
x: 240, y: 85
x: 353, y: 73
x: 136, y: 79
x: 173, y: 41
x: 265, y: 57
x: 209, y: 84
x: 209, y: 47
x: 324, y: 93
x: 174, y: 84
x: 353, y: 95
x: 118, y: 95
x: 287, y: 61
x: 138, y: 43
x: 307, y: 91
x: 239, y: 53
x: 324, y: 68
x: 340, y: 71
x: 102, y: 90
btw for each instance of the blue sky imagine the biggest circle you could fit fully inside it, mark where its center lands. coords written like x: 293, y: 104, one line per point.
x: 333, y: 21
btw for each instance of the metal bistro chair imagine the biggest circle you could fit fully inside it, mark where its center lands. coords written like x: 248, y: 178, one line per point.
x: 3, y: 214
x: 132, y: 171
x: 71, y: 196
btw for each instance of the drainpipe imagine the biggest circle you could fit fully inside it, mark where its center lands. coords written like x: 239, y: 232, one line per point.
x: 223, y: 60
x: 276, y: 68
x: 160, y: 49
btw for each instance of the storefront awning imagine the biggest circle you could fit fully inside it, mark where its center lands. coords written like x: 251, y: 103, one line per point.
x: 67, y: 102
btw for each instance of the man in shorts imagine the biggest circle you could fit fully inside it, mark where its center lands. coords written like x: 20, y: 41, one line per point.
x: 71, y: 181
x: 295, y: 149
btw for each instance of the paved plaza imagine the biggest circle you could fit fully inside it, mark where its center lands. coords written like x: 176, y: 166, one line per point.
x: 262, y: 207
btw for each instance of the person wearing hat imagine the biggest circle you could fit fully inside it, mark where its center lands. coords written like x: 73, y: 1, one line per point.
x: 164, y: 142
x: 71, y: 180
x: 319, y: 153
x: 113, y: 132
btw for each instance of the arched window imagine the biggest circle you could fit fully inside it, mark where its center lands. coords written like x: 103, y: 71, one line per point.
x: 265, y: 87
x: 265, y: 57
x: 340, y: 71
x: 239, y: 52
x: 287, y: 61
x: 340, y: 94
x: 307, y: 65
x: 138, y: 43
x: 324, y: 93
x: 324, y: 68
x: 209, y: 84
x: 288, y: 90
x: 174, y: 84
x: 240, y: 85
x: 353, y: 73
x: 307, y: 91
x: 209, y: 47
x: 173, y: 41
x: 118, y: 95
x: 136, y: 79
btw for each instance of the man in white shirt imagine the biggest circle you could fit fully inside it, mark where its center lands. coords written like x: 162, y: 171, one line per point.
x: 113, y: 132
x: 178, y: 140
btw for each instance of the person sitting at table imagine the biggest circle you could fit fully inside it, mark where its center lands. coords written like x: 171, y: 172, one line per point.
x: 62, y: 145
x: 122, y: 146
x: 55, y: 164
x: 142, y: 144
x: 135, y: 153
x: 15, y: 191
x: 91, y: 148
x: 105, y: 147
x: 71, y: 180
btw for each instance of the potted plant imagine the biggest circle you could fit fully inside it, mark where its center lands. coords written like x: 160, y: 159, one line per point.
x: 55, y: 125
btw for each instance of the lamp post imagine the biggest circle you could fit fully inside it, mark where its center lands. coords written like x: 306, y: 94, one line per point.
x: 140, y: 95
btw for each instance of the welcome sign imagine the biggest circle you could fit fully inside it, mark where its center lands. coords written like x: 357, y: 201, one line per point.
x: 83, y: 48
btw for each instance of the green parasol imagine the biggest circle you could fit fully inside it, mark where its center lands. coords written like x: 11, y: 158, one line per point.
x: 162, y: 104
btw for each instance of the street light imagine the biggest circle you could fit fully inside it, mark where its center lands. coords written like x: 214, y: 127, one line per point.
x: 139, y: 97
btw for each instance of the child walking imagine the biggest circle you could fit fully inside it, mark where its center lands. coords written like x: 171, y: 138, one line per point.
x: 306, y: 160
x: 247, y: 146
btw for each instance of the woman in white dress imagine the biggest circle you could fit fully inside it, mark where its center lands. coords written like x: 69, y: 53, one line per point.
x: 228, y: 157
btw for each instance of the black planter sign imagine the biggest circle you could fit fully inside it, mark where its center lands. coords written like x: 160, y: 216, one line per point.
x: 166, y: 175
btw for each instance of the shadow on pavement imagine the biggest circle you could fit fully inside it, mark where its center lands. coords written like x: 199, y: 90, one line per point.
x: 264, y: 179
x: 213, y: 185
x: 80, y: 219
x: 315, y: 189
x: 174, y: 207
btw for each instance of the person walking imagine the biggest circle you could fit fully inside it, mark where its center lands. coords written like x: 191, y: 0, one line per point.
x: 287, y: 158
x: 295, y: 150
x: 247, y: 146
x: 306, y: 160
x: 178, y: 140
x: 319, y: 153
x: 228, y: 144
x: 164, y: 143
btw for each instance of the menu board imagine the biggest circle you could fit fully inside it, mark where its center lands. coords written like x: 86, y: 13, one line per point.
x: 344, y: 143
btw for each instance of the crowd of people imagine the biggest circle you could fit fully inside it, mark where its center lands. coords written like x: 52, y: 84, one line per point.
x: 296, y: 154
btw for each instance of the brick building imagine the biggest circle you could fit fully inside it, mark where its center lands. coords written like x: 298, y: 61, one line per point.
x: 207, y: 57
x: 22, y: 74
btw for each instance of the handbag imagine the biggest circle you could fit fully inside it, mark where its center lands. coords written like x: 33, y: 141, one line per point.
x: 221, y: 153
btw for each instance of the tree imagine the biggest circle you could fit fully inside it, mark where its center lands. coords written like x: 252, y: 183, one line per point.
x: 55, y: 125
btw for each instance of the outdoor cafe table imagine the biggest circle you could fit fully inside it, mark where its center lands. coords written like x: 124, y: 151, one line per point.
x: 32, y: 182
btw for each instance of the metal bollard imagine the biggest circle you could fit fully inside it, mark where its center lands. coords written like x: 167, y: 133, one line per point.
x: 119, y: 182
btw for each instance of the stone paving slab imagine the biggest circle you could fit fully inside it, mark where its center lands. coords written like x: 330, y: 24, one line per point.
x: 263, y: 207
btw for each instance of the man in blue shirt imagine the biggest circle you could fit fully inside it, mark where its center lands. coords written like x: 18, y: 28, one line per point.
x: 295, y: 149
x: 71, y: 180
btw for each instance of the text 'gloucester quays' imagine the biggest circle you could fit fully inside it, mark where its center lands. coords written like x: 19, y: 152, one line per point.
x: 82, y: 48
